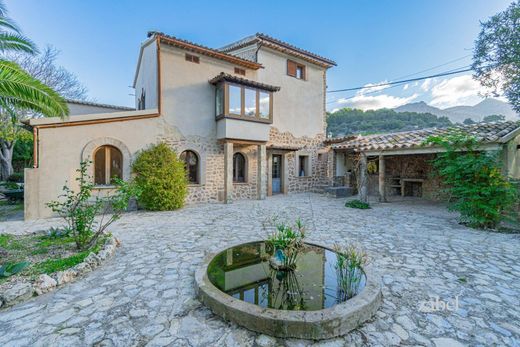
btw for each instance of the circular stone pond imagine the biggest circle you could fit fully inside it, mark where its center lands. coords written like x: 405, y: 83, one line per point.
x: 310, y: 302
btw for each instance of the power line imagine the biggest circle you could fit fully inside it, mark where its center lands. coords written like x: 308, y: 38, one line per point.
x: 435, y: 67
x: 401, y: 81
x: 390, y: 87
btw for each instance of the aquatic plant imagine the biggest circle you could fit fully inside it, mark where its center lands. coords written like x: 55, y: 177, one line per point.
x: 350, y: 261
x: 285, y: 244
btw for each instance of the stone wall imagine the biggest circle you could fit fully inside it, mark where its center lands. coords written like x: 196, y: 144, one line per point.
x: 318, y: 154
x: 211, y: 156
x: 407, y: 166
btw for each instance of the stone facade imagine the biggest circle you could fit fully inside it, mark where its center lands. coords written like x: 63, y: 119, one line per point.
x: 211, y: 171
x: 418, y: 167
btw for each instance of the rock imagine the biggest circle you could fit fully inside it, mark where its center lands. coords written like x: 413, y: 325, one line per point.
x: 19, y: 292
x: 92, y: 260
x: 44, y: 284
x: 265, y: 341
x: 82, y: 268
x: 403, y: 335
x: 446, y: 342
x: 65, y: 276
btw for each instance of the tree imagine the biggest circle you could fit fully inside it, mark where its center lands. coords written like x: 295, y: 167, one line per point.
x: 468, y: 121
x: 496, y: 56
x: 494, y: 118
x: 19, y: 91
x: 45, y: 68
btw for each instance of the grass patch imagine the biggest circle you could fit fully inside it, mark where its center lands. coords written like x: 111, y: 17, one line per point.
x: 357, y: 204
x: 46, y: 253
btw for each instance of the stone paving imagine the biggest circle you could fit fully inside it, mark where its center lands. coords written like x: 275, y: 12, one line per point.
x: 145, y: 294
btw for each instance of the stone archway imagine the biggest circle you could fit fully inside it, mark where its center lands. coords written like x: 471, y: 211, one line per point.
x: 88, y: 151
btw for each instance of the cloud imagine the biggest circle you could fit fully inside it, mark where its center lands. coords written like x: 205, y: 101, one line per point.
x: 366, y: 102
x: 425, y: 86
x: 460, y: 90
x: 372, y: 88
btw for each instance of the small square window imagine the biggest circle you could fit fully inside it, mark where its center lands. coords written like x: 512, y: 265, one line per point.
x: 296, y: 70
x: 192, y: 58
x: 240, y: 71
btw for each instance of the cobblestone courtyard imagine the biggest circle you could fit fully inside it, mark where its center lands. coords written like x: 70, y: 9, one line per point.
x: 145, y: 294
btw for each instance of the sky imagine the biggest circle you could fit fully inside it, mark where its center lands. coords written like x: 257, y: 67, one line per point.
x: 373, y: 41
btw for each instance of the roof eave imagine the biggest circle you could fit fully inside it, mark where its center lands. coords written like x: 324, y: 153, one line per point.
x: 208, y: 51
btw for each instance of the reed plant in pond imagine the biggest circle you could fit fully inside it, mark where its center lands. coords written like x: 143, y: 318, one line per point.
x: 350, y: 261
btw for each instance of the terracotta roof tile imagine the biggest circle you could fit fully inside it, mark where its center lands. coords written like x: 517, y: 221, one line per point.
x: 205, y: 50
x: 230, y: 78
x: 276, y: 44
x: 484, y: 132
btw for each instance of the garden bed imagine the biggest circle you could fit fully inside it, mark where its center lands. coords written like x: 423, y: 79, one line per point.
x: 45, y: 261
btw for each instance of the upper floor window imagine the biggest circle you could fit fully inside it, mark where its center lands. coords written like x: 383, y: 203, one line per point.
x: 192, y: 58
x: 242, y: 101
x: 191, y: 164
x: 240, y: 71
x: 108, y: 164
x: 141, y: 101
x: 295, y: 69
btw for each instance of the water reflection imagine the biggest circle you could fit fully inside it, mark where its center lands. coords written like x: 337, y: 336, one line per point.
x: 244, y: 273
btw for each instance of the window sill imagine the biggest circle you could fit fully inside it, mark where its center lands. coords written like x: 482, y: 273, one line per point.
x: 104, y: 187
x: 304, y: 176
x: 240, y: 183
x: 194, y: 185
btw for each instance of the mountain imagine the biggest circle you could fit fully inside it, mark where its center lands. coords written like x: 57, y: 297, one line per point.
x: 458, y: 114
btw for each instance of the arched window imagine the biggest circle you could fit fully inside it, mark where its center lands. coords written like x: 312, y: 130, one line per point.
x: 191, y: 163
x: 108, y: 164
x: 239, y: 167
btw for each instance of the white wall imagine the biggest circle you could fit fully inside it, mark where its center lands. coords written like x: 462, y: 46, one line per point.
x: 80, y: 109
x: 147, y: 75
x: 188, y: 100
x: 299, y: 105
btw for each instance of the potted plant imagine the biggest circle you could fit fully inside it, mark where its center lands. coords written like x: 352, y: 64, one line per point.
x: 286, y: 243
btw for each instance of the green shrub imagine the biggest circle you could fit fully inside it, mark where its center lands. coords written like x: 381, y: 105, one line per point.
x: 161, y: 177
x: 79, y: 208
x: 478, y: 189
x: 357, y: 204
x: 17, y: 177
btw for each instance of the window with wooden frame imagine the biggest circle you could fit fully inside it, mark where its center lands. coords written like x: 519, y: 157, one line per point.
x: 192, y: 58
x: 303, y: 165
x: 108, y: 164
x: 239, y: 168
x: 243, y: 102
x: 296, y: 70
x: 191, y: 165
x: 240, y: 71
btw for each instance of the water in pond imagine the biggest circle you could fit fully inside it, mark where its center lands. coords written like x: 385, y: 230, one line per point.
x: 244, y: 272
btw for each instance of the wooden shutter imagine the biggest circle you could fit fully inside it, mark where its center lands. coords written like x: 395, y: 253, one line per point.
x: 291, y: 68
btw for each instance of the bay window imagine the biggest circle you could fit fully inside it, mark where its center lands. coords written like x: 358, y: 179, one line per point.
x: 233, y: 100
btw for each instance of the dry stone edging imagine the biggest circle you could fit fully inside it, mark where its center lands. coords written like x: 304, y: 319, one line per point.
x: 23, y: 290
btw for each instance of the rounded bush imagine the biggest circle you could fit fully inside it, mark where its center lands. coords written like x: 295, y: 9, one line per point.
x: 161, y: 177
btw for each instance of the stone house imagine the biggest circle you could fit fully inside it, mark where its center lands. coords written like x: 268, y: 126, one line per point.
x: 248, y: 119
x: 399, y: 164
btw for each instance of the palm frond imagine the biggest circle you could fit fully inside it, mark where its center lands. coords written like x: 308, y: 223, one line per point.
x: 8, y: 23
x: 3, y: 9
x: 16, y: 42
x: 19, y: 90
